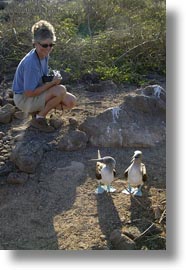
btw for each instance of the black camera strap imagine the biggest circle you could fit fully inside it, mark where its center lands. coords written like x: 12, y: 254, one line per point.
x: 40, y: 63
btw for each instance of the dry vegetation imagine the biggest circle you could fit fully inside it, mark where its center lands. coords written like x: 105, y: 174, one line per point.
x: 123, y: 41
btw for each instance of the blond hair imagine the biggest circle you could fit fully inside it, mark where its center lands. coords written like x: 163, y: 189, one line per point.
x: 42, y: 30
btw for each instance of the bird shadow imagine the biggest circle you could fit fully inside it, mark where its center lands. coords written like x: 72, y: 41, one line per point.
x: 145, y: 231
x: 108, y: 216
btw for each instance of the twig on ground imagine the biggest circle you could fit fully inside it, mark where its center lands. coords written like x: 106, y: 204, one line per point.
x: 143, y: 233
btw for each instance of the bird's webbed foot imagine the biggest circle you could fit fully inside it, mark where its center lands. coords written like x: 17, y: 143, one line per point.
x: 138, y: 192
x: 109, y: 189
x: 128, y: 190
x: 99, y: 190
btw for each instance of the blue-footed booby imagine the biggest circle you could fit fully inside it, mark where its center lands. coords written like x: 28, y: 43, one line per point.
x: 135, y: 174
x: 105, y: 172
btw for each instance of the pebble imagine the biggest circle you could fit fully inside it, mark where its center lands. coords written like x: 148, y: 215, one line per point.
x: 2, y: 158
x: 17, y: 178
x: 1, y: 135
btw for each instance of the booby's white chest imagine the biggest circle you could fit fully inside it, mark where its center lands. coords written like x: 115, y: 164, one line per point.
x: 135, y: 175
x: 107, y: 176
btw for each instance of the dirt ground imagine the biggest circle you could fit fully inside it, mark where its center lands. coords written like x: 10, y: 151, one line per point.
x: 45, y: 214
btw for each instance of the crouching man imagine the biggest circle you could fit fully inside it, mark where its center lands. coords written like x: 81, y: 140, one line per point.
x: 31, y: 93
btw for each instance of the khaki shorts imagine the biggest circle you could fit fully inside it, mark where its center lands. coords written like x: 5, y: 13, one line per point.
x: 30, y: 104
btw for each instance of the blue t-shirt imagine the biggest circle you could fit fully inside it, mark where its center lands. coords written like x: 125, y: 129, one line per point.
x: 29, y: 73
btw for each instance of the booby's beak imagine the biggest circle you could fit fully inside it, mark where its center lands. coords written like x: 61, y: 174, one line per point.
x: 136, y: 156
x: 96, y: 159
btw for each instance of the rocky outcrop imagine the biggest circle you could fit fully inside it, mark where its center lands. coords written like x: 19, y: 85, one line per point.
x: 27, y: 155
x: 73, y: 140
x: 139, y: 121
x: 6, y: 113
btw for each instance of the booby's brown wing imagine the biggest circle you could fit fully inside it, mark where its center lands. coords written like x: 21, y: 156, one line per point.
x: 144, y: 172
x: 114, y: 172
x: 126, y: 173
x: 99, y: 166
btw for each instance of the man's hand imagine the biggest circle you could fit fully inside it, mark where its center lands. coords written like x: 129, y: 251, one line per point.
x: 57, y: 77
x: 57, y: 80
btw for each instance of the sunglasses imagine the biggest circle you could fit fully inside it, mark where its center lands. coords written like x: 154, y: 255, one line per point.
x: 47, y: 45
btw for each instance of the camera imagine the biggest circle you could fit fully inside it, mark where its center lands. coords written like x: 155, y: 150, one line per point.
x: 46, y: 78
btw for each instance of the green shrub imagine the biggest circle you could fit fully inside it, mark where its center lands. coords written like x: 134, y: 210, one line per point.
x: 122, y: 40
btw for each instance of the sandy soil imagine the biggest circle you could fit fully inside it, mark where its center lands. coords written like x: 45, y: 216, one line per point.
x: 51, y: 213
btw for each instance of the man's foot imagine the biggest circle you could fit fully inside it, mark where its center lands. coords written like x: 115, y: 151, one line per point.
x: 41, y: 124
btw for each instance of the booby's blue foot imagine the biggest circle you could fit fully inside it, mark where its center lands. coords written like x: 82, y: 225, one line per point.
x: 109, y: 189
x: 128, y: 190
x: 138, y: 192
x: 99, y: 190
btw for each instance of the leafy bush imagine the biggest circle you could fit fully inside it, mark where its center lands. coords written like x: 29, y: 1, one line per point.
x: 121, y: 40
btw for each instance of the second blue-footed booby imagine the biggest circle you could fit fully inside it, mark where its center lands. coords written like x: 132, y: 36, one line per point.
x: 105, y: 172
x: 135, y: 174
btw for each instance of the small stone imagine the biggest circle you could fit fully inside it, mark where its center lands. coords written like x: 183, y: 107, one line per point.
x: 1, y: 134
x: 102, y: 237
x: 73, y: 121
x: 55, y: 121
x: 17, y: 178
x: 120, y: 241
x: 2, y: 158
x: 73, y: 140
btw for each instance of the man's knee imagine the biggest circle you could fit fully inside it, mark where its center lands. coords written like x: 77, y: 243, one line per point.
x: 62, y: 90
x: 73, y: 102
x: 70, y: 101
